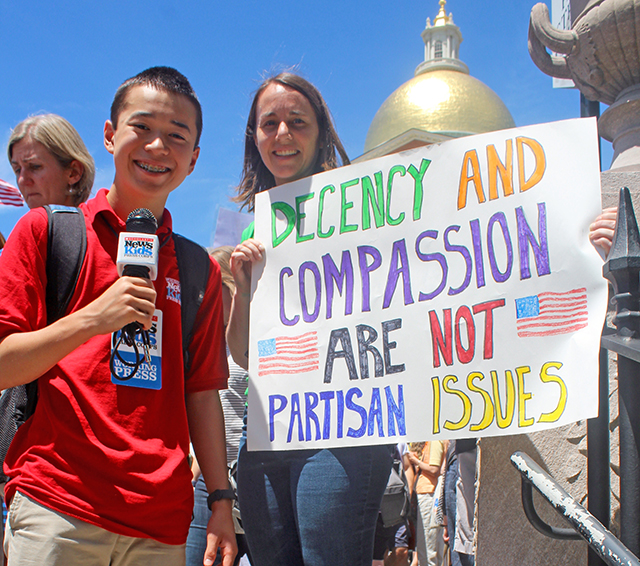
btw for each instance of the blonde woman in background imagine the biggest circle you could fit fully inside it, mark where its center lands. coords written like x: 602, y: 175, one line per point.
x: 51, y: 163
x: 52, y: 166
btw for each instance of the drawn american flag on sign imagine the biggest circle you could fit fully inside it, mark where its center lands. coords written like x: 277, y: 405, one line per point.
x: 288, y: 354
x: 9, y: 194
x: 548, y: 314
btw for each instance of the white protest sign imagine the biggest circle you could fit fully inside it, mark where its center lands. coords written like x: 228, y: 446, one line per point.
x: 444, y: 292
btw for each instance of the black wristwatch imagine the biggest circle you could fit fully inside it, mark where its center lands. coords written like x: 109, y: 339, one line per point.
x: 218, y: 494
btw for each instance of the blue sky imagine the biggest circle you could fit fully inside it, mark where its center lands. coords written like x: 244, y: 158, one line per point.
x: 69, y: 58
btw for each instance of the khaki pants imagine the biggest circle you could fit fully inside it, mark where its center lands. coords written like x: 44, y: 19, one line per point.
x: 36, y: 535
x: 429, y: 541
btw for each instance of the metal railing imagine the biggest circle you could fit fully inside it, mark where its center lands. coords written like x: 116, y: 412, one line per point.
x: 584, y: 525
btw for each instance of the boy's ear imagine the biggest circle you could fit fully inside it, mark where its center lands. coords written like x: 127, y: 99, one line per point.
x: 194, y: 158
x: 109, y: 132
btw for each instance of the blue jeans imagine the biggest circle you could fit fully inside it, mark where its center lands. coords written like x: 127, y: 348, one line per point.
x: 312, y: 507
x: 197, y: 539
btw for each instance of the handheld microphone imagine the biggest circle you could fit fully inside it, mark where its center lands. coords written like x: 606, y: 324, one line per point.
x: 137, y: 257
x: 138, y: 246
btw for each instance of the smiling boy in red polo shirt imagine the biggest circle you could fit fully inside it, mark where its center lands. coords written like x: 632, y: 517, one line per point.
x: 99, y: 474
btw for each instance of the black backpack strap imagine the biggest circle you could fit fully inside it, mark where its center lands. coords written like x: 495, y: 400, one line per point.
x: 66, y: 248
x: 65, y: 254
x: 193, y: 268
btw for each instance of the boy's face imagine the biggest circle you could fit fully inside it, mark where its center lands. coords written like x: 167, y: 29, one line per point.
x: 152, y: 146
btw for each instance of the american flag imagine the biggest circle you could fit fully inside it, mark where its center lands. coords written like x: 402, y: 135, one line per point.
x: 548, y: 314
x: 9, y: 194
x: 288, y: 354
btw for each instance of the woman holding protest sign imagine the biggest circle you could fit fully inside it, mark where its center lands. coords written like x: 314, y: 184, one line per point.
x: 305, y: 507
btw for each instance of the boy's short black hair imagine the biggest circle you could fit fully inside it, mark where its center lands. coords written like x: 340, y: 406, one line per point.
x: 164, y: 79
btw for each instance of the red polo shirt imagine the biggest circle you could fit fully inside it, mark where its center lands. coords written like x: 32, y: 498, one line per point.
x: 111, y: 455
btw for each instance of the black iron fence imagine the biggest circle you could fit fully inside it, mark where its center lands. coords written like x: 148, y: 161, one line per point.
x: 622, y: 269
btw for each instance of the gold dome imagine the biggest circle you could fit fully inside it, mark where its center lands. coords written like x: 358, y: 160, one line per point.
x: 442, y: 101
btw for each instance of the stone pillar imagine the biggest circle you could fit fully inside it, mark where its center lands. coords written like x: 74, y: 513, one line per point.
x: 504, y: 535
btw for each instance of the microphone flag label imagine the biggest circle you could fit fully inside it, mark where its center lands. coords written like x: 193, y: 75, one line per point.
x: 138, y: 249
x: 148, y: 376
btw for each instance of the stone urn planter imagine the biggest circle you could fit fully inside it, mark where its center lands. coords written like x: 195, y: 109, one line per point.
x: 601, y: 54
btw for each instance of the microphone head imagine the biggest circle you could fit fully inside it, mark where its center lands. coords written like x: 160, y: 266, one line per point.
x: 142, y: 220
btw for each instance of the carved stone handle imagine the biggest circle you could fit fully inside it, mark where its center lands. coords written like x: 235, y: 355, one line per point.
x: 543, y: 35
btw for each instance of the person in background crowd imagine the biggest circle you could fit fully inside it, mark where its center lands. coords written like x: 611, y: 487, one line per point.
x: 50, y: 161
x: 233, y: 401
x: 428, y: 466
x: 451, y: 478
x: 303, y: 507
x: 391, y: 544
x: 464, y: 540
x: 52, y: 166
